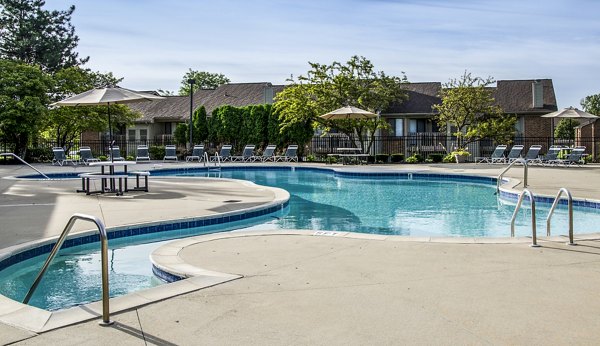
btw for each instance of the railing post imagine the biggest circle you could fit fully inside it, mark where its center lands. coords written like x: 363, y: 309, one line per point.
x: 533, y: 223
x: 570, y: 211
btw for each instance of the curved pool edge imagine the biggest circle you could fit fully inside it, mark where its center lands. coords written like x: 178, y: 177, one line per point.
x: 167, y: 258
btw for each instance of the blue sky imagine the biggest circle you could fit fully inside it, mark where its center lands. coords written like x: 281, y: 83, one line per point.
x: 153, y: 43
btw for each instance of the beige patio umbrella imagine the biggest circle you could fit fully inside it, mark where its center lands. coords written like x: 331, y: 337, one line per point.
x: 348, y: 112
x: 570, y: 112
x: 107, y: 96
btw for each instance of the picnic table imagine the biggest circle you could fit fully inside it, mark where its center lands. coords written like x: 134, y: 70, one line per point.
x: 111, y: 179
x: 347, y: 154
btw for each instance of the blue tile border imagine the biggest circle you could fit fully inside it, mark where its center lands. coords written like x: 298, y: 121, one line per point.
x: 165, y: 276
x: 121, y: 232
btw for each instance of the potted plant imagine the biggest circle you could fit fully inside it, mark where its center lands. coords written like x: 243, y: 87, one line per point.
x: 460, y: 155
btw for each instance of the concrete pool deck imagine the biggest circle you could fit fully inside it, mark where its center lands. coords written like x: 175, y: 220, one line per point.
x: 305, y: 289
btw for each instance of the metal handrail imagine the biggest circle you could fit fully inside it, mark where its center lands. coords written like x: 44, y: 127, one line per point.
x: 205, y: 157
x: 533, y: 227
x: 519, y: 160
x: 20, y: 159
x: 217, y: 161
x: 570, y: 210
x: 104, y: 255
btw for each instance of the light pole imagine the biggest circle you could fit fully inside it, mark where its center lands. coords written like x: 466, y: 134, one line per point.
x: 191, y: 81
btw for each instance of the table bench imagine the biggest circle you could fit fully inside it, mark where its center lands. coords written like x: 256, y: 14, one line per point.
x: 86, y: 187
x: 137, y: 175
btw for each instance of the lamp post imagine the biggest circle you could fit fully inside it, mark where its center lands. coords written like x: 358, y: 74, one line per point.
x: 191, y: 81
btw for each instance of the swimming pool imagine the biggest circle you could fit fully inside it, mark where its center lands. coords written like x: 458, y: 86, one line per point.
x: 320, y: 199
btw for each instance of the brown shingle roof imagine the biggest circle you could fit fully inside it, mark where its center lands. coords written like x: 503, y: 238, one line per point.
x: 516, y: 96
x: 421, y: 96
x: 177, y: 108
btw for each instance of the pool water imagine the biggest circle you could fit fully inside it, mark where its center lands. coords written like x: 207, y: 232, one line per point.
x: 319, y: 200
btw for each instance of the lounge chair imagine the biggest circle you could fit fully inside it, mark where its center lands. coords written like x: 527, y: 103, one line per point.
x: 551, y: 156
x: 86, y: 156
x: 290, y: 154
x: 197, y: 153
x: 268, y: 154
x: 142, y: 153
x: 575, y: 157
x: 514, y: 153
x: 247, y: 154
x: 497, y: 156
x: 533, y: 154
x: 170, y: 153
x: 224, y: 154
x: 60, y: 158
x: 116, y: 154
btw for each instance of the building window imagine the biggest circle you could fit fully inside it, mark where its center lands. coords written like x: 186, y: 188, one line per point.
x: 399, y: 127
x: 131, y: 134
x: 168, y: 129
x: 143, y: 134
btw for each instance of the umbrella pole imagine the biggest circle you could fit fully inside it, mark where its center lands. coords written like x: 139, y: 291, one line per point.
x: 110, y: 141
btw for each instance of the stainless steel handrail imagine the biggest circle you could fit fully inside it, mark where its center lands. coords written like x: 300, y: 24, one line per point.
x: 217, y: 161
x: 533, y: 227
x: 20, y: 159
x: 519, y: 160
x: 205, y: 157
x: 570, y: 211
x: 104, y: 255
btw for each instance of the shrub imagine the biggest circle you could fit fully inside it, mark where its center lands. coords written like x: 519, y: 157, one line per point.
x: 331, y: 159
x: 397, y: 158
x: 39, y: 155
x: 436, y: 158
x: 130, y: 158
x: 371, y: 159
x: 103, y: 158
x: 156, y: 152
x: 310, y: 158
x: 383, y: 158
x: 449, y: 158
x: 412, y: 159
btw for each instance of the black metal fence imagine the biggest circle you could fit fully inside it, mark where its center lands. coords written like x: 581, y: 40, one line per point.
x: 422, y: 144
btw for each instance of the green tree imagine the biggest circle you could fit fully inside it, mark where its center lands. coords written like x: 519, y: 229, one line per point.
x: 33, y: 35
x: 591, y: 104
x: 566, y: 129
x: 468, y: 107
x: 23, y: 103
x: 202, y: 80
x: 200, y: 125
x: 328, y: 87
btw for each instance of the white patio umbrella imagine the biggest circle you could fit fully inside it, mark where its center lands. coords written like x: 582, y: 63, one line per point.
x: 348, y: 112
x: 570, y: 112
x: 107, y: 96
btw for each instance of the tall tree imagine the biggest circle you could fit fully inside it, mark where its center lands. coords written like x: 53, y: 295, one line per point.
x: 468, y: 107
x: 591, y: 104
x: 202, y: 80
x: 23, y: 102
x: 328, y: 87
x: 33, y: 35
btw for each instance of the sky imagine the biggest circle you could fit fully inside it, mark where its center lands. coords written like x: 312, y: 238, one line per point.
x: 153, y: 43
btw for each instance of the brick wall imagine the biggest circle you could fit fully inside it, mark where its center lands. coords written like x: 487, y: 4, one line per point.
x: 535, y: 126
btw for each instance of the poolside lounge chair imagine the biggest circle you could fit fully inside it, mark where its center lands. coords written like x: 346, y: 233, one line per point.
x: 197, y: 153
x: 86, y: 156
x: 224, y: 154
x: 170, y: 153
x: 551, y: 156
x: 59, y: 157
x: 514, y: 153
x: 575, y: 157
x: 142, y: 153
x: 290, y: 154
x: 247, y: 154
x: 268, y: 153
x: 116, y: 154
x: 533, y: 154
x: 497, y: 156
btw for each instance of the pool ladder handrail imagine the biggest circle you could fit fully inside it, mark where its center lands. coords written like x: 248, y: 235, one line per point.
x: 570, y: 211
x: 20, y: 159
x: 205, y: 158
x: 514, y: 217
x: 104, y: 255
x: 217, y: 163
x: 519, y: 160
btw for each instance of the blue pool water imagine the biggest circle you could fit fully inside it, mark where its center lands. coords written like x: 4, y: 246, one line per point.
x: 320, y: 200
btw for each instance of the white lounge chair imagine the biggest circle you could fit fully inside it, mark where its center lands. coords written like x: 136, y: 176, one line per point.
x: 291, y: 154
x: 142, y: 153
x: 60, y: 158
x: 515, y: 153
x: 116, y: 154
x: 197, y: 153
x: 86, y: 156
x: 247, y: 154
x: 497, y: 156
x: 170, y: 153
x: 268, y: 154
x: 224, y: 154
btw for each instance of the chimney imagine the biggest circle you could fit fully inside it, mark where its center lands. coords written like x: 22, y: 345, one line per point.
x: 268, y: 93
x: 537, y: 90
